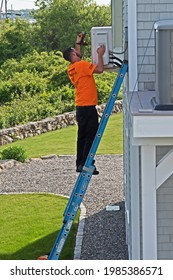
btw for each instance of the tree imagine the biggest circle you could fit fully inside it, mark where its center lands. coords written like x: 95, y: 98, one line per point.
x: 56, y: 27
x: 15, y: 39
x: 61, y: 20
x: 33, y: 80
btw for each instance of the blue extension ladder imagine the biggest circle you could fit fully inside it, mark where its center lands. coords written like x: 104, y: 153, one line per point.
x: 86, y: 174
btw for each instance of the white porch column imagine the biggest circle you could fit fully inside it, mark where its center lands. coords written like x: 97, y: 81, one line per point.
x: 148, y: 197
x: 135, y: 208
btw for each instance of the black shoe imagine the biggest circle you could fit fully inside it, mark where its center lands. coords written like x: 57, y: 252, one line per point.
x: 80, y: 167
x: 95, y: 172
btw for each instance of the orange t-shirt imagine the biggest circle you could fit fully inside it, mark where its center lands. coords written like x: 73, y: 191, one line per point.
x: 81, y: 76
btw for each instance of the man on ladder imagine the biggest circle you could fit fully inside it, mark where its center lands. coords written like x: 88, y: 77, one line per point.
x: 86, y: 97
x: 88, y: 168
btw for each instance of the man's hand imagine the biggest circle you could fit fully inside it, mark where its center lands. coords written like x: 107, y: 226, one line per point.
x: 80, y: 40
x: 100, y: 66
x: 101, y: 50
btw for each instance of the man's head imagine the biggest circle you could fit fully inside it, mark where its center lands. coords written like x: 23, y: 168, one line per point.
x: 71, y: 55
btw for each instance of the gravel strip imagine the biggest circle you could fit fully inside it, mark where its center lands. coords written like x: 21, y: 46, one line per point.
x: 103, y: 231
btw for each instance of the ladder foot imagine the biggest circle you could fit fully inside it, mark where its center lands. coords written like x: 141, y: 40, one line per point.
x: 44, y: 257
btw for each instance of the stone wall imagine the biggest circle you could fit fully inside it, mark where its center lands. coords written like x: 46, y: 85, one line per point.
x: 31, y: 129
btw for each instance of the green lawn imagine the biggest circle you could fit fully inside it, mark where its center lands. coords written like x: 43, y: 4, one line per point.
x: 63, y: 141
x: 22, y: 236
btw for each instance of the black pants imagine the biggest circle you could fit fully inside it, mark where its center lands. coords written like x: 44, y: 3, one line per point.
x: 87, y: 119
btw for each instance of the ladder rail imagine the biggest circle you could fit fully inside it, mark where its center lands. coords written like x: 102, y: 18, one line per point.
x: 76, y: 200
x: 85, y: 176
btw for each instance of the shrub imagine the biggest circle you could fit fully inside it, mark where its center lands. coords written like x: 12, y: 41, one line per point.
x: 37, y: 87
x: 15, y: 152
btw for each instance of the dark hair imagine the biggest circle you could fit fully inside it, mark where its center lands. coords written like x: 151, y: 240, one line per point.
x: 67, y: 54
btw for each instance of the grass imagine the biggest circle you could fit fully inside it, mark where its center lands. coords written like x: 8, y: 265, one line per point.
x: 22, y: 236
x: 112, y: 140
x: 64, y: 141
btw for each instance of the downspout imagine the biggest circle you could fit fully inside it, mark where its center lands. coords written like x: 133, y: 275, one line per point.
x: 132, y: 45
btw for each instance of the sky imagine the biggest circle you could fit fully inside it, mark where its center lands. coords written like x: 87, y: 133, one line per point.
x: 29, y: 4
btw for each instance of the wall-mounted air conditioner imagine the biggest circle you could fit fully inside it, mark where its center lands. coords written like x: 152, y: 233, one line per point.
x: 101, y: 36
x: 111, y: 37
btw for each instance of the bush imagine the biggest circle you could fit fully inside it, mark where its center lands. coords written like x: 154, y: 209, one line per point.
x: 15, y: 152
x: 37, y: 87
